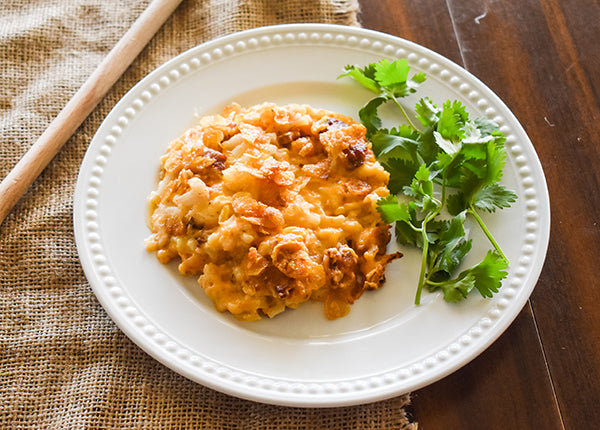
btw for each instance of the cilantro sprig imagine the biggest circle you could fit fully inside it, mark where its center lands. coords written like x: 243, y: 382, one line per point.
x: 446, y: 170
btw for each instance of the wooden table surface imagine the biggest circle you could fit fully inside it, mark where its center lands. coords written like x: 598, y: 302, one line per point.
x: 542, y: 57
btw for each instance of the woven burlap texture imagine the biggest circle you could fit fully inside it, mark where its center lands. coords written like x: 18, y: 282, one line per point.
x: 63, y: 362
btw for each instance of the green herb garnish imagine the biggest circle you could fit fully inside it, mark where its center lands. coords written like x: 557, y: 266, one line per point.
x: 448, y: 164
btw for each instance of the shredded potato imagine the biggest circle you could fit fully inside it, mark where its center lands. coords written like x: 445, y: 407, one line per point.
x: 271, y: 207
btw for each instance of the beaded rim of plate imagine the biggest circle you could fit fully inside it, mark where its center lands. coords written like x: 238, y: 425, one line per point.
x: 202, y: 369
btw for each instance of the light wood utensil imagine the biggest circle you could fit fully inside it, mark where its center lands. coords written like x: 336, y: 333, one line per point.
x: 16, y: 183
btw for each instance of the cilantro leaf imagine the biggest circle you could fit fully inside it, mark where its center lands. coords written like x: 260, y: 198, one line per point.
x: 407, y: 232
x: 428, y: 148
x: 457, y: 289
x: 493, y: 196
x: 388, y: 144
x: 415, y: 81
x: 387, y: 73
x: 401, y: 173
x: 474, y: 134
x: 486, y: 127
x: 390, y: 210
x: 473, y: 151
x: 489, y: 273
x: 486, y: 277
x: 451, y: 120
x: 369, y: 117
x: 478, y: 177
x: 427, y: 112
x: 421, y: 188
x: 393, y: 79
x: 448, y: 146
x: 449, y: 249
x: 365, y: 76
x: 455, y: 203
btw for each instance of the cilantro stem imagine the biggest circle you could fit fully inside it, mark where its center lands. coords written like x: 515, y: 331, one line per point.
x: 404, y: 113
x: 475, y: 215
x: 422, y: 280
x: 423, y: 263
x: 443, y: 199
x: 435, y: 284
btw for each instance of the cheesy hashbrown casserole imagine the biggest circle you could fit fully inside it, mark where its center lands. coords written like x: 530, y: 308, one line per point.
x: 273, y: 206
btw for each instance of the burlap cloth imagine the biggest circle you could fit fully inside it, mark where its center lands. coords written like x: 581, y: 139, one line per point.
x: 63, y: 362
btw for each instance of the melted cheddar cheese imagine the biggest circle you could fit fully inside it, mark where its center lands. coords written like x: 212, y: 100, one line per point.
x: 271, y: 207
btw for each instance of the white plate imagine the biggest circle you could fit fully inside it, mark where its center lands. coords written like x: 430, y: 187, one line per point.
x: 386, y: 346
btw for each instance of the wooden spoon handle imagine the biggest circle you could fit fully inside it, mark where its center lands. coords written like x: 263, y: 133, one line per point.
x: 16, y: 183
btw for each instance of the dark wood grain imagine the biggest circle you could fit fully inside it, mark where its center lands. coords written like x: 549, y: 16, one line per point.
x: 545, y: 66
x: 542, y: 57
x: 408, y: 19
x: 507, y: 387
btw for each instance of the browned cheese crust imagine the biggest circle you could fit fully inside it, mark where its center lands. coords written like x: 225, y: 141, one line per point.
x: 273, y: 206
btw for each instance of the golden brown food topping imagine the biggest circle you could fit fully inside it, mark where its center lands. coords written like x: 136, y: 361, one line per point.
x: 272, y: 206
